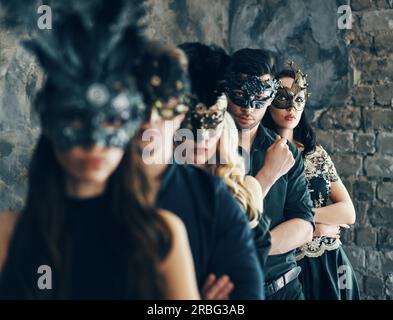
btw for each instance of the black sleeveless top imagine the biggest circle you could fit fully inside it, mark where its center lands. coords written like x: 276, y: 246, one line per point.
x: 92, y: 262
x: 94, y: 265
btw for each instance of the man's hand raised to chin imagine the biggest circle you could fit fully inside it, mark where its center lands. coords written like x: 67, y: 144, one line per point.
x: 278, y: 161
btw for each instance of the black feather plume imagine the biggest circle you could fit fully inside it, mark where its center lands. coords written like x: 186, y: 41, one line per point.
x: 90, y: 40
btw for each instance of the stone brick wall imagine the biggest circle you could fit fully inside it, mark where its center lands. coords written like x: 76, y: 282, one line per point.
x: 359, y: 136
x: 351, y: 106
x: 19, y: 79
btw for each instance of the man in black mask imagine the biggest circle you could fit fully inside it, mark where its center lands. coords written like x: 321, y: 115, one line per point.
x: 277, y: 165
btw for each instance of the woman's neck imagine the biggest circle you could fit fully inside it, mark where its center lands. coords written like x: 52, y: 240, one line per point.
x: 84, y: 189
x: 287, y: 134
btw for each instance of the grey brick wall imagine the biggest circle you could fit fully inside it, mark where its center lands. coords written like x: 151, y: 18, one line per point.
x: 351, y: 104
x: 363, y: 151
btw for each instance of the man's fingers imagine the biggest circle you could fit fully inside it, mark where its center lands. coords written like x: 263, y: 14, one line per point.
x: 345, y: 226
x: 282, y: 142
x: 226, y: 291
x: 276, y: 141
x: 290, y: 160
x: 215, y: 290
x: 209, y: 281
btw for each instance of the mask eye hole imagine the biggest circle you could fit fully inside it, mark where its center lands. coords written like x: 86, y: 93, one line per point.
x: 261, y: 96
x: 72, y: 121
x: 299, y: 99
x: 75, y: 124
x: 238, y: 93
x: 258, y: 104
x: 113, y: 122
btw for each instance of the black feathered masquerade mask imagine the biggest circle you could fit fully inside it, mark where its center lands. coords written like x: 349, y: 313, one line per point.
x: 89, y: 96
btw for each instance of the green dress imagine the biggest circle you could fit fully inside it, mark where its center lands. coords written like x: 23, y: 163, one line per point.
x: 326, y: 270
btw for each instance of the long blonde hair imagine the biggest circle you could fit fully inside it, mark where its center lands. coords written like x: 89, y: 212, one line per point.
x: 230, y: 167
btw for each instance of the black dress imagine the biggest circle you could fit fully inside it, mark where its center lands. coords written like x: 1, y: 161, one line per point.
x: 326, y: 270
x: 92, y: 263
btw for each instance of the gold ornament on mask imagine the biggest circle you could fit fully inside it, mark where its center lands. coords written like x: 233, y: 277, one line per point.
x: 300, y: 82
x: 288, y: 97
x: 203, y: 117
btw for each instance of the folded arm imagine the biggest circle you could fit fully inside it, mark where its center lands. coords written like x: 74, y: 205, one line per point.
x: 341, y: 211
x: 300, y: 231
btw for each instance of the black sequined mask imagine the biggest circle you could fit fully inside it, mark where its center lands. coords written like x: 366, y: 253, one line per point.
x: 98, y: 115
x: 250, y: 92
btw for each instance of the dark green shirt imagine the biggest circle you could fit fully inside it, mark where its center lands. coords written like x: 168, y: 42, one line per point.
x: 287, y: 199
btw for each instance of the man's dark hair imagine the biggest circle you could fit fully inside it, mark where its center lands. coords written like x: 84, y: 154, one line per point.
x: 254, y: 62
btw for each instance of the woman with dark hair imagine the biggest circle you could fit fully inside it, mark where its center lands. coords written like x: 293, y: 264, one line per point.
x: 326, y: 271
x: 83, y: 221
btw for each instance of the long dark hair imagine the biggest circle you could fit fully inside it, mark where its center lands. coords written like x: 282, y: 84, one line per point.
x: 141, y: 236
x: 303, y: 132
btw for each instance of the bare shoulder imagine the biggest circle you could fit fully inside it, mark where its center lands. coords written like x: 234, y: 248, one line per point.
x: 8, y: 221
x: 179, y: 235
x: 174, y: 223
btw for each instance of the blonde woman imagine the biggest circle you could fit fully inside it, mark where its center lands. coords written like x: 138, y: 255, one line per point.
x: 213, y: 145
x: 215, y: 149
